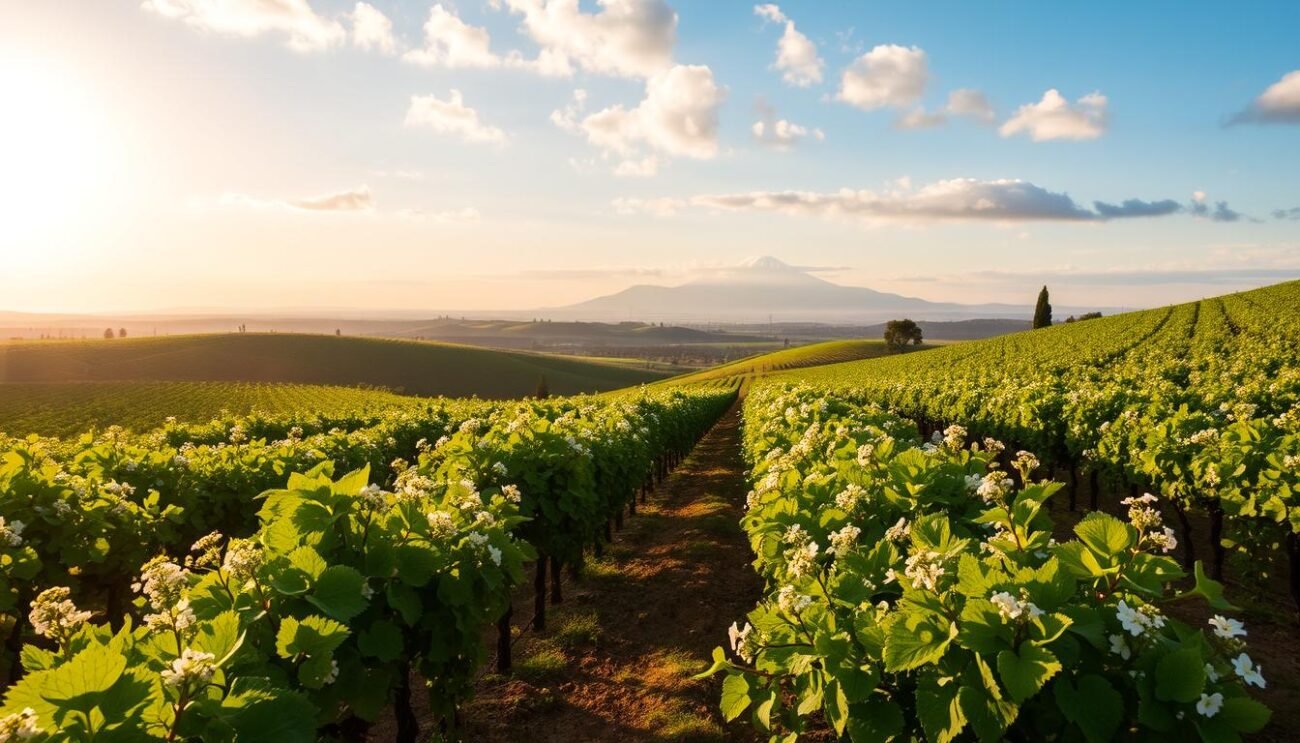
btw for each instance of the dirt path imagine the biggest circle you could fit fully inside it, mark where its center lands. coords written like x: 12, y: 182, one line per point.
x: 616, y: 659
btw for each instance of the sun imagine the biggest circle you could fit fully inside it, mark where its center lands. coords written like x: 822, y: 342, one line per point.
x: 58, y: 152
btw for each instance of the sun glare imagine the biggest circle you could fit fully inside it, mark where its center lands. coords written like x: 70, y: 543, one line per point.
x: 57, y: 151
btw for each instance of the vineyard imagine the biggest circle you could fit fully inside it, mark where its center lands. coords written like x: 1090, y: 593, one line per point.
x: 70, y: 408
x: 1050, y: 534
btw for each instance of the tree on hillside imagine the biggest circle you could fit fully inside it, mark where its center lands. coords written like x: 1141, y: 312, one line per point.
x: 1084, y: 316
x: 121, y: 332
x: 543, y: 390
x: 108, y: 333
x: 1043, y: 310
x: 899, y: 333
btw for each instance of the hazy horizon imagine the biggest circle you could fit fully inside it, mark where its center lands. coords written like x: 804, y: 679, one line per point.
x: 515, y: 155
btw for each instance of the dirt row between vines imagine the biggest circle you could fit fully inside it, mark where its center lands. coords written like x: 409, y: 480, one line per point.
x: 616, y: 659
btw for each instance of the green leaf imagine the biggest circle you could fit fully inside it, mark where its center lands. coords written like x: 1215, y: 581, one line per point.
x: 735, y: 695
x: 36, y: 659
x: 1025, y: 672
x: 939, y: 709
x: 260, y: 713
x: 1208, y: 589
x: 1094, y: 706
x: 416, y: 564
x: 406, y: 601
x: 874, y: 720
x: 982, y: 629
x: 338, y: 593
x: 308, y: 560
x: 914, y: 640
x: 382, y: 640
x: 91, y: 671
x: 221, y: 636
x: 836, y: 706
x: 1104, y: 534
x: 1244, y: 714
x: 1180, y: 676
x: 312, y: 636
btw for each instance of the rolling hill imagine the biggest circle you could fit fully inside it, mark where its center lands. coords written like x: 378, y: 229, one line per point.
x: 417, y: 368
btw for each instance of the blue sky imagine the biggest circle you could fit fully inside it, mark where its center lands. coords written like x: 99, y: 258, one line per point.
x: 217, y: 153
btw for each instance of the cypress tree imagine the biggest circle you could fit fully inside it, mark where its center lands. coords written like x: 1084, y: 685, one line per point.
x: 1042, y: 311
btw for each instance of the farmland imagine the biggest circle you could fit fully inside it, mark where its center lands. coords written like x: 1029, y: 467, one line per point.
x: 992, y: 538
x: 410, y: 367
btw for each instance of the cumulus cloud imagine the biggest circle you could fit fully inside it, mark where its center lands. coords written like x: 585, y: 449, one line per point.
x: 372, y: 30
x: 1137, y: 208
x: 780, y: 134
x: 303, y: 29
x: 972, y: 104
x: 450, y: 42
x: 1278, y: 104
x: 451, y: 117
x: 888, y: 76
x: 625, y: 38
x: 796, y: 55
x: 963, y: 102
x: 678, y: 116
x: 919, y: 118
x: 1056, y: 118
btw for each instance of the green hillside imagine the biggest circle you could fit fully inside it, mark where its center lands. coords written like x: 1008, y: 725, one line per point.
x: 70, y: 408
x: 415, y: 368
x: 801, y: 357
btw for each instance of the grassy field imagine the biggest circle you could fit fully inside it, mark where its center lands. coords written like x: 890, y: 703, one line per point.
x: 410, y: 367
x: 70, y: 408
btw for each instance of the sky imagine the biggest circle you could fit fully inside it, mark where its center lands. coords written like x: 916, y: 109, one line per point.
x: 513, y: 154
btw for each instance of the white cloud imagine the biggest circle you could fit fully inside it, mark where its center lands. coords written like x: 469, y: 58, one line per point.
x: 304, y: 30
x: 966, y: 102
x: 781, y: 134
x: 660, y: 207
x: 371, y: 29
x: 888, y: 76
x: 355, y: 200
x: 919, y: 118
x: 646, y: 167
x: 796, y: 55
x: 1278, y: 104
x: 626, y: 38
x: 1055, y: 118
x: 451, y: 117
x: 568, y: 118
x: 959, y: 199
x: 450, y: 42
x: 970, y: 103
x: 679, y: 116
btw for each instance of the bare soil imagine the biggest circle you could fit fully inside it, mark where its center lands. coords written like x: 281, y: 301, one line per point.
x: 616, y: 659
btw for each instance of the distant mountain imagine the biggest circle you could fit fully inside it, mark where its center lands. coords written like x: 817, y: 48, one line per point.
x: 764, y: 287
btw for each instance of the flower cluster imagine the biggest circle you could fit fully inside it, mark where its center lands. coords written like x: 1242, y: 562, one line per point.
x: 53, y: 615
x: 1138, y: 621
x: 20, y: 725
x: 193, y: 668
x: 1013, y: 608
x: 11, y: 533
